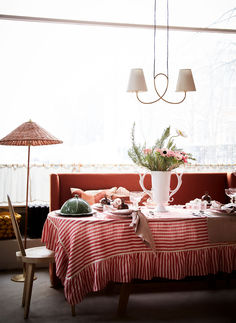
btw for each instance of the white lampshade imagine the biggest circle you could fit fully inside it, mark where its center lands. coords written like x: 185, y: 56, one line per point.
x: 185, y: 81
x: 137, y: 81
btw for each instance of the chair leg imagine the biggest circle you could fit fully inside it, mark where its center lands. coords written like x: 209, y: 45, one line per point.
x: 25, y: 283
x: 29, y: 285
x: 73, y: 310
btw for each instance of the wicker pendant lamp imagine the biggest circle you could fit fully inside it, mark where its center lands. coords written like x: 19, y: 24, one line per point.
x: 29, y: 134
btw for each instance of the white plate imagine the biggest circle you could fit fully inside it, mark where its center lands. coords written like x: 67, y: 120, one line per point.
x: 150, y: 205
x: 219, y: 211
x: 122, y: 212
x: 75, y: 215
x: 97, y: 206
x: 118, y: 216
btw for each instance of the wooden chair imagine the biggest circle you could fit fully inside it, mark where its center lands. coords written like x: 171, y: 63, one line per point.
x: 30, y: 257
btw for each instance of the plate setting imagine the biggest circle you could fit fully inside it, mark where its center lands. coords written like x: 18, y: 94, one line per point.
x: 97, y: 206
x: 114, y: 213
x: 223, y: 211
x: 220, y: 212
x: 75, y: 215
x: 123, y: 212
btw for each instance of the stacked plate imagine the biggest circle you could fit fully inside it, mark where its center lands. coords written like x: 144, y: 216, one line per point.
x: 98, y: 207
x: 227, y: 209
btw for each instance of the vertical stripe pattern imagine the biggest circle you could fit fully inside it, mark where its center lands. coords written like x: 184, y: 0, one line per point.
x: 90, y: 252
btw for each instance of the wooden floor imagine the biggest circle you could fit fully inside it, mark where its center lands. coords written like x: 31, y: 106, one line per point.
x: 190, y: 301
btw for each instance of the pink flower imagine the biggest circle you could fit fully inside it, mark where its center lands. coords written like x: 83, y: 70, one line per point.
x: 178, y: 156
x: 171, y: 153
x: 147, y: 151
x: 163, y: 152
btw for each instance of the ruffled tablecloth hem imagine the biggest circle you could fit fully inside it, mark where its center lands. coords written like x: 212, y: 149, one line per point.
x: 124, y: 268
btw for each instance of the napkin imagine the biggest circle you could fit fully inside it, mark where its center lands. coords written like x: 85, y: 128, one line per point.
x: 93, y: 196
x: 215, y: 204
x: 229, y: 208
x: 144, y: 199
x: 141, y: 228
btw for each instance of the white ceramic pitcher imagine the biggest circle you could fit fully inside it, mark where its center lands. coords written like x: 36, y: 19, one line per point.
x: 161, y: 193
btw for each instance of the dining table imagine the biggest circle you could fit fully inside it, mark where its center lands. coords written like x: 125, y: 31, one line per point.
x: 91, y: 251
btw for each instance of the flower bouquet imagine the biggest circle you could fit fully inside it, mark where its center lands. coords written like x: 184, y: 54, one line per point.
x: 163, y: 156
x: 160, y: 159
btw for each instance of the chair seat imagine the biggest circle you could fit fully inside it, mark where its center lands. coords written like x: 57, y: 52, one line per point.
x: 37, y: 255
x: 30, y: 258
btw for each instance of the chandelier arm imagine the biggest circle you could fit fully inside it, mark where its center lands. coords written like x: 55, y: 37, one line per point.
x: 175, y: 102
x: 147, y: 102
x: 167, y: 84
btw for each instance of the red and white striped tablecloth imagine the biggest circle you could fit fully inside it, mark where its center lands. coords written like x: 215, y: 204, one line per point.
x: 92, y: 251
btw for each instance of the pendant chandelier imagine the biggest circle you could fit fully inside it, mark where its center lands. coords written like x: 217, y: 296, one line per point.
x: 137, y: 81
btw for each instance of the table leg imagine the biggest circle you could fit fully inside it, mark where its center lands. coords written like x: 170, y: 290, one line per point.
x: 55, y: 281
x: 125, y: 291
x: 73, y: 310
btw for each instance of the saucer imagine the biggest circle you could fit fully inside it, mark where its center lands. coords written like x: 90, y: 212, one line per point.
x: 220, y: 212
x: 122, y: 212
x: 97, y: 206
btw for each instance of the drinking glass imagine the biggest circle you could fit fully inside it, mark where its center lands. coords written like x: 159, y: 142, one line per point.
x: 231, y: 193
x: 135, y: 198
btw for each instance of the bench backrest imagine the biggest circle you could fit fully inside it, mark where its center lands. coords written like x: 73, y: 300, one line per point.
x: 194, y: 185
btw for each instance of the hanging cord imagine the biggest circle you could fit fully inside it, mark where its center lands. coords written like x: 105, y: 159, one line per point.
x: 167, y: 38
x: 155, y: 30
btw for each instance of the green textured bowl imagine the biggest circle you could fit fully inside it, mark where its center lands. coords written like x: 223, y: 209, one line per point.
x: 76, y: 207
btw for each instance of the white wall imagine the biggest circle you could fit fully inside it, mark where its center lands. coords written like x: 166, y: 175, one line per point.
x: 8, y: 250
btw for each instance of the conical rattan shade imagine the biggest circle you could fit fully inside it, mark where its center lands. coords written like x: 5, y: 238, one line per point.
x: 29, y: 134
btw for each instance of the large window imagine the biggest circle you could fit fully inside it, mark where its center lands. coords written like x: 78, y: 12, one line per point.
x: 71, y: 79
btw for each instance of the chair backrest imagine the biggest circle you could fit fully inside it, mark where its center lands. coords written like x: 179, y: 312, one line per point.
x: 16, y: 227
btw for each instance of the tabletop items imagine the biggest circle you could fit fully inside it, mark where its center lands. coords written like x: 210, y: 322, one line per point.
x: 135, y: 198
x: 203, y: 206
x: 117, y: 203
x: 113, y: 205
x: 142, y: 229
x: 76, y: 207
x: 231, y: 192
x: 206, y: 197
x: 161, y: 193
x: 229, y: 208
x: 130, y: 202
x: 197, y: 205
